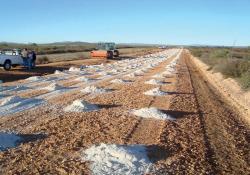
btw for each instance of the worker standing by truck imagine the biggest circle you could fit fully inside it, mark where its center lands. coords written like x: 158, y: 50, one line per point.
x: 24, y: 54
x: 33, y: 63
x: 29, y: 60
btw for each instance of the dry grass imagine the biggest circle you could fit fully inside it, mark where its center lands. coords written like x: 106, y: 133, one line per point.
x: 234, y: 63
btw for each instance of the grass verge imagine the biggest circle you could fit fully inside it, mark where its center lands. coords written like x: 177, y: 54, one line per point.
x: 231, y: 62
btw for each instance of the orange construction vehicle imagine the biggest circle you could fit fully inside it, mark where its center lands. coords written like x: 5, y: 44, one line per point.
x: 105, y: 50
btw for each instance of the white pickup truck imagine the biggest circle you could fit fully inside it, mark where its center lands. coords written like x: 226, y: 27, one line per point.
x: 10, y: 58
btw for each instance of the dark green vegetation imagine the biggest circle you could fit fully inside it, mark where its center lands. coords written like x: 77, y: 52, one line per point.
x: 231, y: 62
x: 52, y: 48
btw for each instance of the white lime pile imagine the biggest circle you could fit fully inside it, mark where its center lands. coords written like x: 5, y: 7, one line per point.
x: 10, y: 100
x: 118, y: 81
x: 138, y: 73
x: 8, y: 140
x: 34, y: 78
x: 81, y: 106
x: 82, y: 79
x: 17, y: 88
x: 131, y: 75
x: 158, y: 76
x: 53, y: 87
x: 167, y: 73
x: 94, y: 90
x: 171, y: 69
x: 154, y: 82
x: 58, y: 72
x: 15, y: 104
x: 145, y: 70
x: 109, y: 159
x: 103, y: 73
x: 74, y: 69
x: 150, y: 66
x: 155, y: 92
x: 151, y: 113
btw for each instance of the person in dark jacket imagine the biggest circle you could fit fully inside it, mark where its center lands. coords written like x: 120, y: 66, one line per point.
x: 33, y: 59
x: 29, y: 62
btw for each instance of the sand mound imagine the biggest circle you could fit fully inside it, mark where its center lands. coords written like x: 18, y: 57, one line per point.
x: 53, y: 87
x: 117, y: 159
x: 81, y: 106
x: 10, y: 100
x: 151, y: 113
x: 154, y: 82
x: 94, y: 90
x: 155, y: 92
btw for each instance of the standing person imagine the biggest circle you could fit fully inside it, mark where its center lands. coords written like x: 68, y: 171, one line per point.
x: 29, y: 60
x: 24, y: 54
x: 33, y: 59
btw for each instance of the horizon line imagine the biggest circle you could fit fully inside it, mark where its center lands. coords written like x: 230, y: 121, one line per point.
x: 158, y: 44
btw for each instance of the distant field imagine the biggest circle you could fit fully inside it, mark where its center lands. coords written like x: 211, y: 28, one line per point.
x: 231, y: 62
x: 86, y: 55
x: 67, y: 51
x: 64, y: 47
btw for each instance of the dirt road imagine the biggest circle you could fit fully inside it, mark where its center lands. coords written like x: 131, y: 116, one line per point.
x: 207, y: 137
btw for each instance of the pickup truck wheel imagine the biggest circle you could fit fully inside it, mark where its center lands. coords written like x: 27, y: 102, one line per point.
x: 116, y: 53
x: 7, y: 65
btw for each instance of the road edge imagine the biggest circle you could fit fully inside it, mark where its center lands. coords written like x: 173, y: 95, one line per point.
x: 240, y: 102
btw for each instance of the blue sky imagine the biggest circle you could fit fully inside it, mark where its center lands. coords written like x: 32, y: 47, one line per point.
x: 212, y: 22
